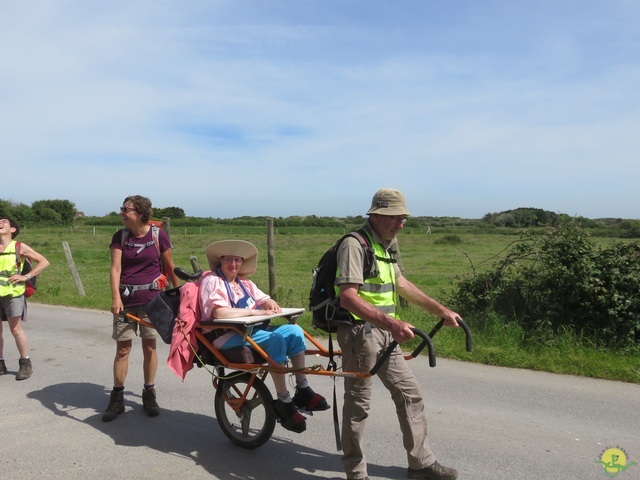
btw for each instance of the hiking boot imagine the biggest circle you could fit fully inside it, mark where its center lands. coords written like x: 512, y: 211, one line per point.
x: 289, y: 417
x: 115, y: 407
x: 25, y: 369
x: 3, y: 367
x: 307, y: 399
x: 149, y: 403
x: 433, y: 472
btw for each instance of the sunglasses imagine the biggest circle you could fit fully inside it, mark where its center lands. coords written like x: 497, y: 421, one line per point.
x: 127, y: 209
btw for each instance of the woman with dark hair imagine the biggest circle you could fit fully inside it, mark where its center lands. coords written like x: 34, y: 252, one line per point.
x: 141, y: 265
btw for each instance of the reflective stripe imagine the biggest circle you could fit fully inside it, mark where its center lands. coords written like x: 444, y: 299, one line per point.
x: 380, y: 291
x: 378, y: 287
x: 388, y: 309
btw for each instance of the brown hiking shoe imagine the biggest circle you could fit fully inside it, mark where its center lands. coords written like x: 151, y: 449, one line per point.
x: 433, y: 472
x: 3, y: 367
x: 25, y: 369
x: 115, y: 407
x: 149, y: 403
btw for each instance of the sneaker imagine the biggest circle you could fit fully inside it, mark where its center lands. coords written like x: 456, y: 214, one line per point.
x: 289, y: 417
x: 307, y: 399
x: 25, y: 369
x: 115, y: 407
x: 433, y: 472
x: 3, y: 367
x: 149, y: 403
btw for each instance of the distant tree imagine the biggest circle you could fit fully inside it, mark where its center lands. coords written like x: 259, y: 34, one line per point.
x: 55, y: 211
x: 630, y: 229
x: 24, y: 214
x: 171, y: 212
x: 5, y: 208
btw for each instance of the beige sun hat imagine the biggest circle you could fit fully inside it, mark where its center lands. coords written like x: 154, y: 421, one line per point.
x: 236, y: 248
x: 388, y: 201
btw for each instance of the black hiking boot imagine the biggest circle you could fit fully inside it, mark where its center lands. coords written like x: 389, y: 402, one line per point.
x: 25, y: 369
x: 310, y: 401
x: 3, y: 367
x: 115, y: 407
x: 149, y: 403
x: 289, y: 417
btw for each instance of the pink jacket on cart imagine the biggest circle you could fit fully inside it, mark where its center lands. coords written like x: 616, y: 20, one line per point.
x: 181, y: 354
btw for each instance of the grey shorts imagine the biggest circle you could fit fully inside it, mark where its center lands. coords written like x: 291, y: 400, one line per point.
x: 126, y: 329
x: 12, y: 306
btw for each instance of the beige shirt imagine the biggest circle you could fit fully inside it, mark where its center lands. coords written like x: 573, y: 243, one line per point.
x: 350, y: 257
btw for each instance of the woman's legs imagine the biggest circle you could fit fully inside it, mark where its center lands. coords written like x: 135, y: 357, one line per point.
x: 15, y: 324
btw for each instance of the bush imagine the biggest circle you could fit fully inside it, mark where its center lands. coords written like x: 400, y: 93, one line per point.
x: 561, y: 280
x: 449, y: 240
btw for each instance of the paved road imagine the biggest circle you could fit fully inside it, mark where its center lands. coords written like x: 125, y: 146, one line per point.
x: 488, y: 422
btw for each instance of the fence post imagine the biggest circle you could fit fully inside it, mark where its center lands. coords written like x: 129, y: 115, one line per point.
x: 166, y: 226
x: 271, y: 259
x: 72, y: 266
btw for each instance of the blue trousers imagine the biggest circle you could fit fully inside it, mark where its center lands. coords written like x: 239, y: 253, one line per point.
x: 279, y: 342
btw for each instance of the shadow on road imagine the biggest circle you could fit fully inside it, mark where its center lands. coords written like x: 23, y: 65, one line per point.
x: 193, y: 436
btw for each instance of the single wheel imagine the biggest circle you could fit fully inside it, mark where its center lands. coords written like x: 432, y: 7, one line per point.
x: 243, y: 408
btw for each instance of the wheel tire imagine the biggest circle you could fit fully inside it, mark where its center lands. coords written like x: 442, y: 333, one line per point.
x: 253, y: 424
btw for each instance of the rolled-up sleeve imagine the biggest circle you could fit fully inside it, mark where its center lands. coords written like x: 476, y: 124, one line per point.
x: 213, y: 294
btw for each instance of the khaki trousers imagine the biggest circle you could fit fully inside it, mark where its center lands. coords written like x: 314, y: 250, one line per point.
x: 359, y: 354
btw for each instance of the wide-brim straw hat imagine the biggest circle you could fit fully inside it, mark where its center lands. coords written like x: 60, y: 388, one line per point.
x: 236, y: 248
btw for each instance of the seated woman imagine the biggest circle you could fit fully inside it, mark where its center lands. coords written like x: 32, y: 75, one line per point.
x: 227, y: 293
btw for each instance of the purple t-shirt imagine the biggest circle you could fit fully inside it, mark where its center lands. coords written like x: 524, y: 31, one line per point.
x: 140, y: 265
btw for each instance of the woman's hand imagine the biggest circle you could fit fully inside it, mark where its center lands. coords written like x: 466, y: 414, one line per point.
x: 271, y: 306
x: 117, y: 307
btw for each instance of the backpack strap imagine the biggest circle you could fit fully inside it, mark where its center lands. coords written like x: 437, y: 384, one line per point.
x: 155, y: 235
x: 16, y: 252
x: 18, y: 261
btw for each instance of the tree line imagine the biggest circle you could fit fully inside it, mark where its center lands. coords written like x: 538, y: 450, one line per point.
x: 64, y: 213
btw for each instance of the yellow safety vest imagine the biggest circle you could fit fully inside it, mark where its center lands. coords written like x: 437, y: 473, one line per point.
x: 8, y: 267
x: 379, y: 290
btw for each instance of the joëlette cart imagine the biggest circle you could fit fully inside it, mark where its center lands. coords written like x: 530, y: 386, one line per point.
x: 243, y: 402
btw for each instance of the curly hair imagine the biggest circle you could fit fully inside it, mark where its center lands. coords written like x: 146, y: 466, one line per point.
x: 142, y: 206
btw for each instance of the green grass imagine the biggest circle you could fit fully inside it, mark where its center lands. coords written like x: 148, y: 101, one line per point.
x: 432, y: 261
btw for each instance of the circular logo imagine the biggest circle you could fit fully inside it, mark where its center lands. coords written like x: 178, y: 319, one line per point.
x: 614, y: 461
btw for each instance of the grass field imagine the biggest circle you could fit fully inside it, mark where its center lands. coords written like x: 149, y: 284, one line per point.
x: 429, y: 260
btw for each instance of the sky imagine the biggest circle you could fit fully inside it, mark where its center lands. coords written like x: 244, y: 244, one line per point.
x: 227, y: 108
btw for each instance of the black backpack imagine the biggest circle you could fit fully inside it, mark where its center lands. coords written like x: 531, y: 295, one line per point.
x: 323, y: 302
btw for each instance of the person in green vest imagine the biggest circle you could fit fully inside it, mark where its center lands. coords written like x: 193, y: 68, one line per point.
x: 12, y: 288
x: 373, y: 303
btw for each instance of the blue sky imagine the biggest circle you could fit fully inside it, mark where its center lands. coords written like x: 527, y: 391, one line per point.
x: 295, y: 107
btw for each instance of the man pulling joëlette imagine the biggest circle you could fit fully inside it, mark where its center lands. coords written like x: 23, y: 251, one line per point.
x: 373, y: 303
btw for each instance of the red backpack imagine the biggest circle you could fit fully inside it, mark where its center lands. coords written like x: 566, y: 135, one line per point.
x: 30, y: 285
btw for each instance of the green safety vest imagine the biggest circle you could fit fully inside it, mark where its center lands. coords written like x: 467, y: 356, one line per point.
x: 8, y: 267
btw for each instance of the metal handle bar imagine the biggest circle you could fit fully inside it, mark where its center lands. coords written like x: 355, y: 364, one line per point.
x: 426, y: 342
x: 464, y: 327
x: 182, y: 274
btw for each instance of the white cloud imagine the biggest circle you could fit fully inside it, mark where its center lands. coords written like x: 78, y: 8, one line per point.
x: 278, y: 105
